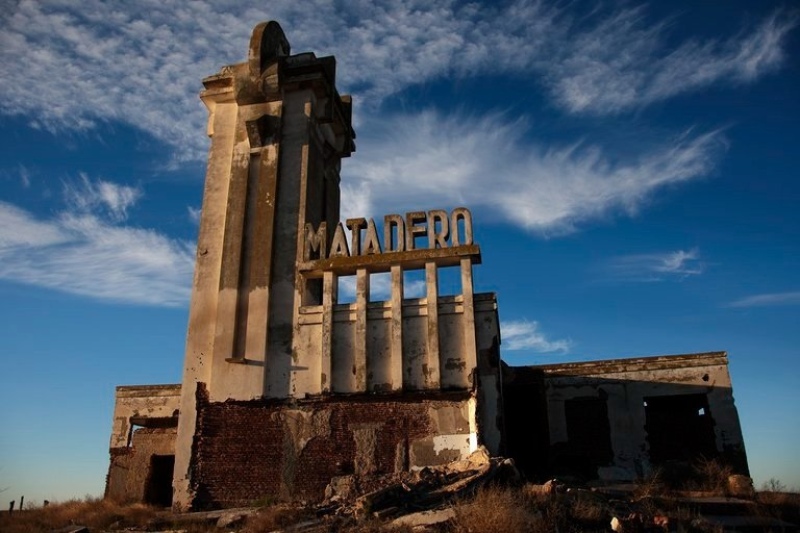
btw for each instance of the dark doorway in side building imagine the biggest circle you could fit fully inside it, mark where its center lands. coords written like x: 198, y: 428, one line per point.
x: 158, y: 490
x: 588, y: 443
x: 679, y: 428
x: 527, y: 430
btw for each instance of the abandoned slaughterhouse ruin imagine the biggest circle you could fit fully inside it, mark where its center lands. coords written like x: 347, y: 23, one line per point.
x: 284, y: 389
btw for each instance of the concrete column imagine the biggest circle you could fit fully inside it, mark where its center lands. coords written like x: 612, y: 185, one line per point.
x: 228, y: 308
x: 260, y: 247
x: 396, y: 331
x: 432, y: 379
x: 360, y: 351
x: 470, y: 345
x: 205, y: 290
x: 330, y: 290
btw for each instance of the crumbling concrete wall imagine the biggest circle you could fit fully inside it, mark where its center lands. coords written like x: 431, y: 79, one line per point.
x: 143, y: 405
x: 154, y: 409
x: 248, y: 450
x: 130, y: 474
x: 580, y: 395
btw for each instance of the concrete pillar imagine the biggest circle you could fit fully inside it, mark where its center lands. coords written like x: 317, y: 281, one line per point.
x: 360, y: 352
x: 470, y: 345
x: 432, y: 379
x: 396, y: 328
x: 330, y: 291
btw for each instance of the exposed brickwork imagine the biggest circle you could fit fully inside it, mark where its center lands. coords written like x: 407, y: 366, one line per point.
x: 245, y: 451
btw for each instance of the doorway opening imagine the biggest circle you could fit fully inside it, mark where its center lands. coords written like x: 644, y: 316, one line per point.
x: 158, y: 490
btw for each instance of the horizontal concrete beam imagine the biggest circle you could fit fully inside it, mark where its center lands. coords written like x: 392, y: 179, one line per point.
x: 408, y: 260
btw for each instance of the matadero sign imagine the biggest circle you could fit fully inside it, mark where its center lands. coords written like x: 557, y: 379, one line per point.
x: 445, y: 238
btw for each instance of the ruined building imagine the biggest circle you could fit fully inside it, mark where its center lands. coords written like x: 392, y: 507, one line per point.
x: 285, y: 389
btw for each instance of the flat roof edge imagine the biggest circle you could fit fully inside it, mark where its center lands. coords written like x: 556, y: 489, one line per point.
x: 148, y: 388
x: 606, y: 366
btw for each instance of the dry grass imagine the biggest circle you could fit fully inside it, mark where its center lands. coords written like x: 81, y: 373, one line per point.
x: 497, y: 509
x: 780, y: 504
x: 509, y: 509
x: 275, y: 517
x: 491, y: 509
x: 94, y: 513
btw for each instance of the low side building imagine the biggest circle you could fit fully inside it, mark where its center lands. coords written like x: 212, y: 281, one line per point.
x: 620, y: 419
x: 142, y: 444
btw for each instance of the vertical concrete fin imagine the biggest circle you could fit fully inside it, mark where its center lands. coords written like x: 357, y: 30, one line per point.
x: 329, y: 291
x: 432, y: 376
x: 228, y: 306
x: 470, y: 344
x: 362, y: 300
x: 396, y: 331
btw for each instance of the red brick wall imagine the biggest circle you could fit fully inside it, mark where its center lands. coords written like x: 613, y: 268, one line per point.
x: 246, y: 451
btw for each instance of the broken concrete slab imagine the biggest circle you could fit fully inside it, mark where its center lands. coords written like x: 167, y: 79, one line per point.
x: 425, y: 518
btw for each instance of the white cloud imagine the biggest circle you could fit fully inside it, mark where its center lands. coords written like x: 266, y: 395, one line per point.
x: 657, y: 266
x: 141, y: 63
x: 621, y: 63
x: 194, y: 214
x: 488, y: 164
x: 768, y: 300
x: 83, y: 254
x: 110, y: 199
x: 527, y: 335
x: 18, y: 228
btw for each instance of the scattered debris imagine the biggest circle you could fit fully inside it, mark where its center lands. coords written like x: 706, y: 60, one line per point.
x: 425, y: 518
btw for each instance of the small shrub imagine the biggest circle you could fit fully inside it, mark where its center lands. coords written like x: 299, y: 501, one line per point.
x: 712, y: 475
x: 651, y: 486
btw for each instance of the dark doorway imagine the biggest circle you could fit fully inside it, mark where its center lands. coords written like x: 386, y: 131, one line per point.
x: 679, y: 428
x: 527, y: 432
x: 158, y: 490
x: 588, y: 443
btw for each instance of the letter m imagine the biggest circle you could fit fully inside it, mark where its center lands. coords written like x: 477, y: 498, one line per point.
x: 316, y: 242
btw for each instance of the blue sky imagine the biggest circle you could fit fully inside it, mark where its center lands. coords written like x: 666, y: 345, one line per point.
x: 632, y: 169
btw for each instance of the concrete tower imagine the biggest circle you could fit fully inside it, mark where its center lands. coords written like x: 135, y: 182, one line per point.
x: 278, y: 131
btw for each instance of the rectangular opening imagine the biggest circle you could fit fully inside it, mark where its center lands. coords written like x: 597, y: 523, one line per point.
x: 380, y: 287
x: 414, y: 284
x: 679, y: 428
x: 588, y: 443
x: 158, y: 490
x: 347, y: 290
x: 450, y: 281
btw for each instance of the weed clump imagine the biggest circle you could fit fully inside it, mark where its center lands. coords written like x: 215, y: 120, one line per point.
x: 497, y: 509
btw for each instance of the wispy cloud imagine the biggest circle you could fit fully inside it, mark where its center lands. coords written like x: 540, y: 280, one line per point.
x: 660, y: 266
x: 768, y: 300
x: 111, y: 199
x: 527, y: 335
x: 84, y: 254
x: 141, y: 64
x: 194, y: 214
x: 622, y: 63
x: 488, y: 163
x: 24, y: 176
